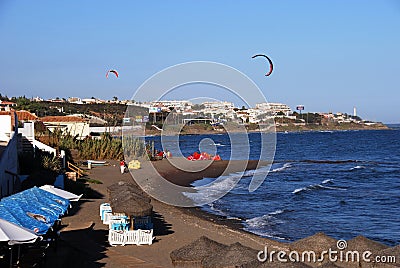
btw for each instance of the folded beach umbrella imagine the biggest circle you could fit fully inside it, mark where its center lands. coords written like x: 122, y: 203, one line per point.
x: 64, y: 194
x: 14, y: 234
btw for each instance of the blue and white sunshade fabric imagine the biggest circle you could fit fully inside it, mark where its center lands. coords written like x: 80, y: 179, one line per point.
x: 21, y: 218
x: 34, y: 209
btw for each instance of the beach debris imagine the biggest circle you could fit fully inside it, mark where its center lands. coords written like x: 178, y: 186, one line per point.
x: 271, y: 66
x: 191, y: 255
x: 112, y: 71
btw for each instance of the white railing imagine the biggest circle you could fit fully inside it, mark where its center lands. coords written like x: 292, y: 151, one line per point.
x: 44, y: 147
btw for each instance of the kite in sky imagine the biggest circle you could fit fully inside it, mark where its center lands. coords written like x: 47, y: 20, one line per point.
x: 112, y: 71
x: 271, y: 66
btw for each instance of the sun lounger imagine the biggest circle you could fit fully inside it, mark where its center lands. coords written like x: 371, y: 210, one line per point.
x: 145, y: 237
x: 116, y: 238
x: 136, y: 237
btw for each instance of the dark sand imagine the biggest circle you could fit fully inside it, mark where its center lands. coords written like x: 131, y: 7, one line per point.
x: 84, y: 239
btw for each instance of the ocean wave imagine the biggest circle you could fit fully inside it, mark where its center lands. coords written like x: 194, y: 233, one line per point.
x: 216, y: 210
x: 329, y: 161
x: 285, y: 166
x: 320, y: 186
x: 261, y: 221
x: 277, y: 212
x: 357, y: 167
x: 219, y: 144
x: 259, y: 171
x: 327, y: 181
x: 265, y: 234
x: 210, y: 191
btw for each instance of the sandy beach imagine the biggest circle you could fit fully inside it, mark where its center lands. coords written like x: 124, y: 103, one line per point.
x: 83, y: 240
x: 84, y: 237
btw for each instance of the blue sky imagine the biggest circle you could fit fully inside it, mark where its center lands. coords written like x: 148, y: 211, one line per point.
x: 328, y: 55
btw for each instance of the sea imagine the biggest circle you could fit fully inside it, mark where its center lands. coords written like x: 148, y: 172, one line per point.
x: 342, y: 183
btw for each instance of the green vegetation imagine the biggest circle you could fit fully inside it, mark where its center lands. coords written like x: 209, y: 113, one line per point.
x: 104, y: 148
x: 41, y: 166
x: 111, y: 112
x: 89, y: 180
x: 134, y: 147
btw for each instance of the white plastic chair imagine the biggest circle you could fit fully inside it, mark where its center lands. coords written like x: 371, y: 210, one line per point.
x: 107, y: 217
x: 145, y: 237
x: 104, y: 206
x: 116, y: 238
x: 132, y: 237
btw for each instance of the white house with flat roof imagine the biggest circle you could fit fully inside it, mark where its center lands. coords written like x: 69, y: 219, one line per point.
x: 274, y: 107
x: 8, y: 153
x: 75, y: 126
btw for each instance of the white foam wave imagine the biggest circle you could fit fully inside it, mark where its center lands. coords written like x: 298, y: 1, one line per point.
x: 265, y: 220
x: 216, y: 210
x: 298, y: 190
x: 264, y: 234
x: 210, y: 191
x: 285, y: 166
x: 219, y: 144
x: 357, y: 167
x: 258, y: 222
x: 277, y: 212
x: 322, y: 185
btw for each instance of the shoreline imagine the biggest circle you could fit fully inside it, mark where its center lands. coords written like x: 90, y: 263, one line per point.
x: 174, y: 227
x: 281, y: 129
x: 85, y: 237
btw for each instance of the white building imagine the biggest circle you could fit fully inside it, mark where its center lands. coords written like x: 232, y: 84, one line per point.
x: 8, y: 153
x: 275, y: 108
x: 218, y: 105
x: 75, y: 126
x: 6, y: 105
x: 89, y: 101
x: 168, y: 105
x: 75, y: 100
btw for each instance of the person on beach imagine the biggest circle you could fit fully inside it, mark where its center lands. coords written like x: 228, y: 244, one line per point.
x: 122, y: 166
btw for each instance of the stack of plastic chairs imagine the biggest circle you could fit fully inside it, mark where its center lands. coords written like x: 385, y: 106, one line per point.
x: 118, y: 222
x: 143, y: 223
x: 105, y: 213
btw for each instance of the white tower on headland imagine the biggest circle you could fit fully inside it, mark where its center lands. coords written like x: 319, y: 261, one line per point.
x: 354, y: 111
